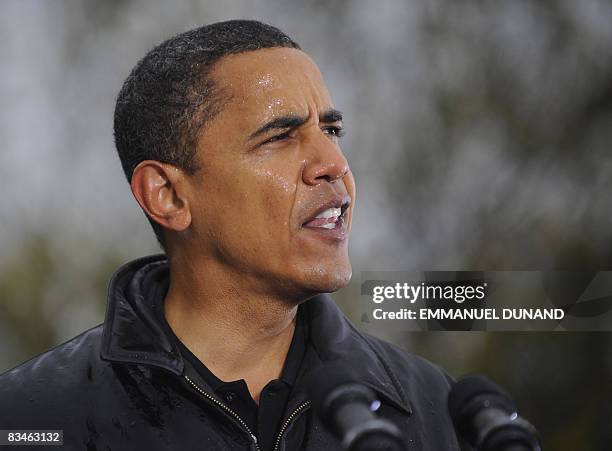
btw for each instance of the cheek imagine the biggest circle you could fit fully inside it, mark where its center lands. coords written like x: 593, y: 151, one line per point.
x: 275, y: 190
x: 279, y: 183
x: 252, y: 201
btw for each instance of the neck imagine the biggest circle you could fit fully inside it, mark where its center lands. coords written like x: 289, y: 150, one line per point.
x: 234, y: 329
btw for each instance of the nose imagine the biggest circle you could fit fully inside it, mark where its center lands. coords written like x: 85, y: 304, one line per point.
x: 326, y: 162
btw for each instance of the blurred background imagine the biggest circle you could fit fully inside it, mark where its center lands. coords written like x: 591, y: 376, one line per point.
x: 479, y: 134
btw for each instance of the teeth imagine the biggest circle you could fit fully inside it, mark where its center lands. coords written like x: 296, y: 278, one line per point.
x: 330, y: 213
x: 329, y: 225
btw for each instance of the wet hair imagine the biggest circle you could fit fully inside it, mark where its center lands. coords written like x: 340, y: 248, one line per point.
x: 169, y: 95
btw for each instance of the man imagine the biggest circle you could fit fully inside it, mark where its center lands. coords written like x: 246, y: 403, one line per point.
x: 229, y: 139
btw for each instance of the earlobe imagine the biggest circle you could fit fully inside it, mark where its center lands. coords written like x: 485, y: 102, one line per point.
x: 157, y: 189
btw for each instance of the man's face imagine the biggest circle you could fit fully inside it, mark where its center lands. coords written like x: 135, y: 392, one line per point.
x: 271, y: 164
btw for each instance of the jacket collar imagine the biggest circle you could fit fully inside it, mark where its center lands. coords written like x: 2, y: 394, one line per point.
x: 132, y: 333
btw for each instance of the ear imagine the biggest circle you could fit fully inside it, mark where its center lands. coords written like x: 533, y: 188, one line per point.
x: 158, y: 188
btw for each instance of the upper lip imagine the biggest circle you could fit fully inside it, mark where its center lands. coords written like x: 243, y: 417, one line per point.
x: 335, y: 202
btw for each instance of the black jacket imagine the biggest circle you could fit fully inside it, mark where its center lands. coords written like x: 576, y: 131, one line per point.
x: 122, y: 386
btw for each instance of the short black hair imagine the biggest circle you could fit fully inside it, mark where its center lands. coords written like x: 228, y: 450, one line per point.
x: 169, y: 94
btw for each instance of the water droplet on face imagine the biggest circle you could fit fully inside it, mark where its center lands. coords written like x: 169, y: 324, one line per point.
x: 275, y: 105
x: 278, y: 180
x: 265, y: 81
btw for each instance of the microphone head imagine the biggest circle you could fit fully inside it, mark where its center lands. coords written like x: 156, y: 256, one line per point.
x: 473, y: 392
x: 486, y: 417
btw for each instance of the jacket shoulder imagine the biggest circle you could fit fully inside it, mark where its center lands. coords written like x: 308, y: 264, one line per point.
x: 77, y: 350
x: 50, y: 381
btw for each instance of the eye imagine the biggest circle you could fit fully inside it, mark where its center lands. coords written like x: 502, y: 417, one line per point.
x: 279, y: 137
x: 334, y: 131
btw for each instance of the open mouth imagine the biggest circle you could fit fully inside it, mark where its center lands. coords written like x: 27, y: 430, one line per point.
x: 331, y: 217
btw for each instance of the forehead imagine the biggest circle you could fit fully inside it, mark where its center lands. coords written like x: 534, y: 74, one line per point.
x: 264, y: 83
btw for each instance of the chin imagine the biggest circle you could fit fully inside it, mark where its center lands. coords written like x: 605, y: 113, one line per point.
x: 327, y: 278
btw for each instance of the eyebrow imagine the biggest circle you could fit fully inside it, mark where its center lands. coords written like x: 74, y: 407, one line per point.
x: 330, y: 115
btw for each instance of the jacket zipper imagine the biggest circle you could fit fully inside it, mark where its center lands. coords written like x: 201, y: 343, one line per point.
x: 227, y: 409
x: 289, y: 419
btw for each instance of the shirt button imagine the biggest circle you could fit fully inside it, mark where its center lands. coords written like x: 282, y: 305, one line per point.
x: 229, y: 396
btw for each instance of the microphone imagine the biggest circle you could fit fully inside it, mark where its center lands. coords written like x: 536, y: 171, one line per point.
x: 348, y: 408
x: 485, y: 416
